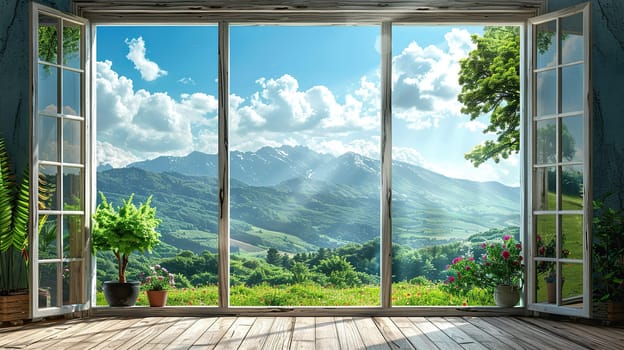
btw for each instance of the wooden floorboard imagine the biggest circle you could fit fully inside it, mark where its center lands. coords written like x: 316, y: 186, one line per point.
x: 306, y: 333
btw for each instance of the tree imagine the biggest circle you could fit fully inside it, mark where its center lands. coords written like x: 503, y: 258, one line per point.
x: 273, y: 257
x: 490, y: 82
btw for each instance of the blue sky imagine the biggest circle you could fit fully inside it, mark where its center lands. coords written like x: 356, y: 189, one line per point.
x: 295, y: 85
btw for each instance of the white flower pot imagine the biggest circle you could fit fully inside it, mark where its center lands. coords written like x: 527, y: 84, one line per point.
x: 506, y: 296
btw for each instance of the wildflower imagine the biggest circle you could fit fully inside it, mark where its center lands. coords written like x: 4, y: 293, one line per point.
x: 506, y: 238
x: 457, y: 259
x: 467, y: 267
x: 451, y: 279
x: 505, y: 254
x: 518, y: 245
x: 483, y: 245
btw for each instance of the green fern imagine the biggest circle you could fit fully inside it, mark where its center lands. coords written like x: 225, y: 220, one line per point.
x: 14, y: 216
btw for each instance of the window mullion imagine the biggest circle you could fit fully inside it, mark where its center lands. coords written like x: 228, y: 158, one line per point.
x: 224, y: 167
x: 386, y: 165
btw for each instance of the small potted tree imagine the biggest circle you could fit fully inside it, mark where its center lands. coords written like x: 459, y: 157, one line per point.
x: 123, y: 230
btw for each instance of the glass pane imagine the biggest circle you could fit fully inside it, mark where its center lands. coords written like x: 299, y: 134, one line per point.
x: 71, y: 92
x: 546, y: 93
x: 572, y: 88
x: 572, y: 187
x: 546, y: 141
x: 572, y: 237
x: 546, y: 44
x: 48, y: 138
x: 572, y: 285
x: 72, y: 188
x: 545, y: 239
x: 47, y: 92
x: 71, y: 44
x: 48, y: 283
x: 311, y: 209
x: 48, y: 187
x: 73, y: 237
x: 47, y: 237
x: 73, y: 283
x: 572, y: 43
x: 72, y: 141
x: 545, y: 188
x: 48, y: 38
x: 572, y: 143
x: 546, y: 285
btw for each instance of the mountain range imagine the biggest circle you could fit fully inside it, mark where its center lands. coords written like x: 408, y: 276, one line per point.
x: 297, y: 200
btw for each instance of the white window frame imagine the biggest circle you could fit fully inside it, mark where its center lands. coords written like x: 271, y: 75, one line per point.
x: 104, y: 14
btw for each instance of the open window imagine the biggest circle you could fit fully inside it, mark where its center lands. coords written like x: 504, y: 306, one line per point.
x: 60, y: 253
x: 559, y: 163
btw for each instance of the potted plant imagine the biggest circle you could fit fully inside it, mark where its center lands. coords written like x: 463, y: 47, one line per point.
x: 156, y: 284
x: 499, y: 270
x: 123, y: 230
x: 14, y: 218
x: 547, y: 269
x: 608, y: 261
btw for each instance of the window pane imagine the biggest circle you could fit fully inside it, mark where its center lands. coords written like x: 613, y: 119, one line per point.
x: 71, y: 93
x: 48, y: 138
x: 47, y: 89
x: 546, y: 138
x: 572, y: 88
x: 545, y: 188
x: 436, y: 192
x: 71, y: 44
x: 304, y: 166
x: 73, y: 182
x: 48, y: 38
x: 546, y: 44
x: 48, y: 285
x: 545, y: 240
x: 49, y: 176
x: 546, y: 83
x: 572, y: 236
x: 572, y: 139
x: 73, y: 283
x: 572, y: 285
x: 572, y: 187
x: 73, y: 237
x: 572, y: 43
x: 47, y: 237
x: 157, y: 132
x: 72, y: 141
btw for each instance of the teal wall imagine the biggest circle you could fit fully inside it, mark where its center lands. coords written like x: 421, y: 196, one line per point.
x: 14, y: 74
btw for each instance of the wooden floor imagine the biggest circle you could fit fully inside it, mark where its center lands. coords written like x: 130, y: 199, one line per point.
x: 311, y: 333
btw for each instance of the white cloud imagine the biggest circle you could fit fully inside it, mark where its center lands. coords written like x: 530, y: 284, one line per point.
x: 474, y: 125
x: 134, y: 125
x: 149, y: 70
x: 186, y: 81
x: 425, y: 85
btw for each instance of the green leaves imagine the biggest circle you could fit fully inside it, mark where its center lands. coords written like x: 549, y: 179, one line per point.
x: 14, y: 205
x: 490, y: 79
x: 126, y: 229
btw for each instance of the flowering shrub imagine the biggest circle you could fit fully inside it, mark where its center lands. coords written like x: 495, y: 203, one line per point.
x: 501, y: 263
x: 158, y: 279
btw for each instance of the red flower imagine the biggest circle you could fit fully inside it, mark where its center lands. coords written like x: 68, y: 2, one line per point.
x: 505, y: 254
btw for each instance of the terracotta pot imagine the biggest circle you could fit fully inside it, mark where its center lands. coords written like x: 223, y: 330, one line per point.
x: 551, y: 292
x: 506, y: 296
x: 157, y: 298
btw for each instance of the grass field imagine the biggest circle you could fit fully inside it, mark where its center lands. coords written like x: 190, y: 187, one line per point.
x: 403, y: 294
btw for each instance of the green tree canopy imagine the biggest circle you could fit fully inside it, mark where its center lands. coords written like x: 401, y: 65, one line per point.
x: 490, y: 82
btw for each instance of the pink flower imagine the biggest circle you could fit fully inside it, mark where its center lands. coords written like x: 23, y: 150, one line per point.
x: 470, y: 259
x: 483, y: 245
x: 467, y: 267
x: 457, y: 259
x: 448, y: 266
x: 538, y: 238
x: 451, y: 279
x: 519, y: 246
x: 506, y: 237
x: 505, y: 254
x: 542, y: 250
